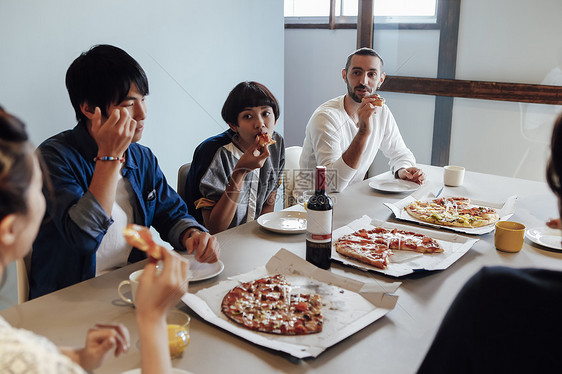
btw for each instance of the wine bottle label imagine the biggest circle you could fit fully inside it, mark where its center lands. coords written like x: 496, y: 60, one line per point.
x: 321, y: 238
x: 319, y: 226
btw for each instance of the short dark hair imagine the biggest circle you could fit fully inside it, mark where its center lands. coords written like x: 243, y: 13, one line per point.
x: 363, y: 52
x: 554, y: 166
x: 244, y: 95
x: 103, y: 76
x: 16, y: 165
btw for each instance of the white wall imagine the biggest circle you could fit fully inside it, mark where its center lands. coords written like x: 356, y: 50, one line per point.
x: 502, y: 40
x: 194, y: 53
x: 511, y: 41
x: 313, y: 63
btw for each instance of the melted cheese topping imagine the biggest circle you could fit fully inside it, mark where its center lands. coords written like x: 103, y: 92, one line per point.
x: 457, y: 210
x: 267, y: 305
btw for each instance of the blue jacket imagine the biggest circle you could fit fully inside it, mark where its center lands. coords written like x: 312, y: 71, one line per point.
x: 64, y: 252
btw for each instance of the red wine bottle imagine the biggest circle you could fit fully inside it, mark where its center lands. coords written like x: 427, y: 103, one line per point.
x: 319, y: 223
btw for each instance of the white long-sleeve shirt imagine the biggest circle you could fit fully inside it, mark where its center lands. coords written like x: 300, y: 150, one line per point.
x: 329, y: 133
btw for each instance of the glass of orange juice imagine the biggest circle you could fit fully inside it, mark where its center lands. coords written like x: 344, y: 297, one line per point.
x: 178, y: 331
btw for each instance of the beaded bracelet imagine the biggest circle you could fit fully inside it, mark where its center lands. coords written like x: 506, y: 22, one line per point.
x: 109, y: 158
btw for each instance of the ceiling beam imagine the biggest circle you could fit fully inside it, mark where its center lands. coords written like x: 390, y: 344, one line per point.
x: 516, y: 92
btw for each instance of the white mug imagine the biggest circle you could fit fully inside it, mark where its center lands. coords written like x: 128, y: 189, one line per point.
x: 134, y: 283
x: 453, y: 175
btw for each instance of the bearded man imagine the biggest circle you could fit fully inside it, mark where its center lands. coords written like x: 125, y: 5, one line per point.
x: 344, y: 134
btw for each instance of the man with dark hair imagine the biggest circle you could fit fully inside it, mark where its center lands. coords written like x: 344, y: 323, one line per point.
x: 103, y: 180
x: 344, y: 134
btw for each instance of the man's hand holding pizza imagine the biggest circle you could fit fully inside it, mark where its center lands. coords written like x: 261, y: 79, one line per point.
x: 365, y: 114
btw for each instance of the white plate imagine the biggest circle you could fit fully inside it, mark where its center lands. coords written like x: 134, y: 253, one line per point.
x: 545, y: 236
x: 393, y: 185
x: 174, y: 371
x: 285, y: 222
x: 201, y: 271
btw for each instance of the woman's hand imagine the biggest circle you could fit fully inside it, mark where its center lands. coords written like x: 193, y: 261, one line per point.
x: 158, y: 292
x: 220, y: 216
x: 100, y: 340
x: 254, y: 157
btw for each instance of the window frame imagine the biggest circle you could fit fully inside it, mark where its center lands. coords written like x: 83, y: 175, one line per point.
x: 445, y: 87
x: 333, y: 22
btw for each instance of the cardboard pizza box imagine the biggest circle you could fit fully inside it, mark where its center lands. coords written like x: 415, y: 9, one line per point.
x: 407, y: 262
x: 505, y: 210
x: 349, y: 305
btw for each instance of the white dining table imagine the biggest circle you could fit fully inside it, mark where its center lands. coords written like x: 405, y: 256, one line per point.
x: 396, y: 343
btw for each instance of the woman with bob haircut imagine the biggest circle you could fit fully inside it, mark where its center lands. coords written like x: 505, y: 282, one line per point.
x: 22, y: 206
x: 233, y: 178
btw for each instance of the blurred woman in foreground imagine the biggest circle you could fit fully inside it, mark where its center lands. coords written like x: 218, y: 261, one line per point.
x: 22, y: 206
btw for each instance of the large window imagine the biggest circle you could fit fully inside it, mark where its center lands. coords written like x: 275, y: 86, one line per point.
x: 345, y: 11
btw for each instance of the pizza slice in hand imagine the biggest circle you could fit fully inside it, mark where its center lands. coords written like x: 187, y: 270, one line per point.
x: 140, y: 237
x: 265, y: 139
x: 379, y: 100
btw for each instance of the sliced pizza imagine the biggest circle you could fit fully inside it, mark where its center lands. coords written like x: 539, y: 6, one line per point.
x: 375, y: 246
x: 267, y: 305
